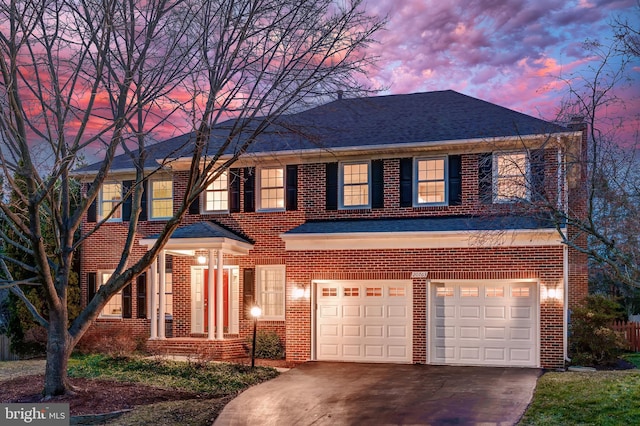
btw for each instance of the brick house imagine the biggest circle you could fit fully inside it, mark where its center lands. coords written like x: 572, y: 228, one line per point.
x: 385, y: 229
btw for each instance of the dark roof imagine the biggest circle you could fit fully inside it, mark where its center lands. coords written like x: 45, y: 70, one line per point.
x: 204, y: 230
x: 360, y: 122
x: 421, y: 224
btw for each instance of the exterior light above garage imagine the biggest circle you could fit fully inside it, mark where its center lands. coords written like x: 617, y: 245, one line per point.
x: 299, y: 291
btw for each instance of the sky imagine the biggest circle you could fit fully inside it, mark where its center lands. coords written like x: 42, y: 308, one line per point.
x: 510, y: 52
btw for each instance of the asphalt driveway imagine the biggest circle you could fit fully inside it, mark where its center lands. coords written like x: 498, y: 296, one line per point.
x: 330, y: 393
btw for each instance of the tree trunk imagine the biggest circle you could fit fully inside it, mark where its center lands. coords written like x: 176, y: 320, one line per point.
x: 59, y: 347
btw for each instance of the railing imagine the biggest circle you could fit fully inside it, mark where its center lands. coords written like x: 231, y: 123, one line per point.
x: 631, y: 331
x: 5, y: 352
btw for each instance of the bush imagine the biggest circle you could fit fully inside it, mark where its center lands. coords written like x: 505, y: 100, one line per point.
x: 592, y: 341
x: 268, y: 345
x: 114, y: 343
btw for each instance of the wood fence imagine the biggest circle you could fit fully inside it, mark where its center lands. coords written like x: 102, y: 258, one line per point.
x: 5, y: 352
x: 631, y: 331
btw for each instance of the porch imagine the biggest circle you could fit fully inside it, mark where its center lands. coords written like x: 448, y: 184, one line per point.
x: 231, y: 347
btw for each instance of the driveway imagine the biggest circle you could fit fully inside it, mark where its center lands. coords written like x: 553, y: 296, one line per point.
x: 331, y: 393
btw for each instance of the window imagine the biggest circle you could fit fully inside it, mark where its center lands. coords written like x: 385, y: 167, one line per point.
x: 216, y: 196
x: 272, y: 188
x: 469, y: 292
x: 329, y: 292
x: 161, y: 198
x: 494, y: 291
x: 355, y: 185
x: 271, y: 285
x: 397, y: 291
x: 510, y: 171
x: 374, y: 291
x: 110, y: 201
x: 444, y: 292
x: 113, y: 308
x: 520, y: 291
x: 351, y: 291
x: 430, y: 181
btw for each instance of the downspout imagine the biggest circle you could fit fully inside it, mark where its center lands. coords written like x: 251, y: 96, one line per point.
x: 563, y: 203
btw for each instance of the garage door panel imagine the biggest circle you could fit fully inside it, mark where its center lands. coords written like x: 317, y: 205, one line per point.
x: 373, y: 321
x: 484, y: 323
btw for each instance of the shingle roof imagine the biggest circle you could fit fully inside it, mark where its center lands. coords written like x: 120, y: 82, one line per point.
x: 373, y: 121
x: 421, y: 224
x: 204, y: 230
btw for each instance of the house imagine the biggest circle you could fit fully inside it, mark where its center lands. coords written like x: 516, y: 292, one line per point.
x: 395, y: 228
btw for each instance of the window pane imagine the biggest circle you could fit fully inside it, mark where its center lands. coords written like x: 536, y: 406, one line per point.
x: 511, y: 176
x: 272, y: 188
x: 431, y: 181
x: 113, y: 308
x: 216, y: 196
x: 111, y: 196
x: 272, y: 291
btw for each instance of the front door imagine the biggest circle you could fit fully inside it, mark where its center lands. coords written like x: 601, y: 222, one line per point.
x: 200, y: 299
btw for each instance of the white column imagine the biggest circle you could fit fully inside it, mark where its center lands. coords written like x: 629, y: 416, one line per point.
x: 220, y: 297
x: 163, y: 297
x: 210, y: 296
x: 153, y: 315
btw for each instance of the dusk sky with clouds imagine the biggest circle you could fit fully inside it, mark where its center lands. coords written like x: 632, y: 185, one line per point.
x: 510, y: 52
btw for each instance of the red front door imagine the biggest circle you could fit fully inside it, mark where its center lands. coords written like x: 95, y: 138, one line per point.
x: 225, y: 298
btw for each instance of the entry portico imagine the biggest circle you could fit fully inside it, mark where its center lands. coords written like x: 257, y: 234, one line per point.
x: 186, y: 241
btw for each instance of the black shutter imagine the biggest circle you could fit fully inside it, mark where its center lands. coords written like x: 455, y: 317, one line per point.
x: 292, y: 187
x: 92, y: 211
x: 91, y: 285
x: 332, y: 186
x: 377, y: 184
x: 234, y: 190
x: 249, y: 291
x: 126, y: 203
x: 406, y: 182
x: 194, y: 207
x: 485, y: 178
x: 143, y: 202
x: 537, y: 174
x: 141, y: 295
x: 455, y: 180
x: 249, y: 189
x: 126, y: 301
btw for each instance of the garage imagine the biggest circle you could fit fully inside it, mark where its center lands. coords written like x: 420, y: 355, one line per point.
x: 484, y: 323
x: 364, y: 321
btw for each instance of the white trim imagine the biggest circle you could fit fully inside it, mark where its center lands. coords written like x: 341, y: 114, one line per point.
x: 416, y: 183
x: 228, y: 245
x: 100, y: 207
x: 341, y: 185
x: 258, y: 192
x: 421, y: 240
x: 150, y: 198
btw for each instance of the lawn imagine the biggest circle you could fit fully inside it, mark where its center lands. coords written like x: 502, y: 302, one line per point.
x: 586, y: 398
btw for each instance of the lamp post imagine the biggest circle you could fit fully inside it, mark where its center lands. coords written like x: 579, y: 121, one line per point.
x: 255, y: 313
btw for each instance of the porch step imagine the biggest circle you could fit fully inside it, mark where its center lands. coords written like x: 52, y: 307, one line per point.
x: 199, y: 348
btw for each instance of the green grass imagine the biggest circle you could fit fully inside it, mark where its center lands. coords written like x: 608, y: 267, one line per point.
x: 633, y: 358
x: 213, y: 379
x: 586, y: 398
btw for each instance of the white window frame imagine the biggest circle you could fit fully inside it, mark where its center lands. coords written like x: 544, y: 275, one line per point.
x: 341, y: 185
x: 152, y: 198
x: 102, y: 280
x: 261, y: 188
x: 213, y: 192
x: 417, y: 181
x: 261, y: 293
x: 497, y: 177
x: 117, y: 213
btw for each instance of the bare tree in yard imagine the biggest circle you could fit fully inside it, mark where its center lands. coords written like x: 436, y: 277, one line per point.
x: 81, y: 74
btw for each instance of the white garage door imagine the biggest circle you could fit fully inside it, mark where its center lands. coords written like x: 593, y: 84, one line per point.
x: 364, y: 321
x: 484, y: 323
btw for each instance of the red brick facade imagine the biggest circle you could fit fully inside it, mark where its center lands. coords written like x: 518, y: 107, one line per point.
x: 543, y: 263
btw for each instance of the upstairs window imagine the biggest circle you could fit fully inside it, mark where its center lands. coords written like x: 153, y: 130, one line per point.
x: 272, y: 188
x: 430, y: 181
x: 110, y: 202
x: 161, y: 198
x: 355, y: 179
x: 510, y: 177
x: 216, y: 196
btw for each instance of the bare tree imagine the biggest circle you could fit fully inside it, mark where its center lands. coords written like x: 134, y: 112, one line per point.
x: 85, y: 74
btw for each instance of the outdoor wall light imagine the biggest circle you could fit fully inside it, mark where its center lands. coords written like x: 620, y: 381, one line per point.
x: 551, y: 293
x: 202, y: 260
x: 255, y: 313
x: 299, y: 291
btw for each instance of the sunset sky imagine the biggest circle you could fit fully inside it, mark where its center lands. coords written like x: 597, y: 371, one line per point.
x: 510, y: 52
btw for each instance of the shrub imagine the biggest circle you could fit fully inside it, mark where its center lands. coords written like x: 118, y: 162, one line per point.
x: 114, y: 343
x: 268, y: 345
x: 592, y: 340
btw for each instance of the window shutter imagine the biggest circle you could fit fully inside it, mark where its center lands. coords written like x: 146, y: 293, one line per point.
x: 537, y: 174
x: 126, y: 301
x: 332, y: 186
x: 141, y: 295
x: 234, y: 190
x: 377, y: 184
x: 91, y: 285
x: 485, y: 177
x: 455, y: 180
x: 406, y: 182
x: 126, y: 204
x: 92, y: 211
x: 292, y: 187
x: 249, y: 189
x: 143, y: 202
x: 249, y: 291
x: 194, y: 207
